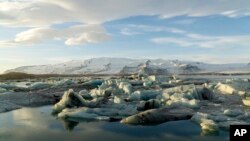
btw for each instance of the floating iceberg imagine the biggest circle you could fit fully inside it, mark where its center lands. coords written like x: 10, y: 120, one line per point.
x: 70, y: 99
x: 157, y: 116
x: 144, y: 95
x: 209, y: 127
x: 224, y: 88
x: 184, y: 103
x: 246, y: 101
x: 213, y: 106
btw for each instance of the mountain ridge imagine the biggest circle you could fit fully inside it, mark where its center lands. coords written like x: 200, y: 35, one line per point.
x: 106, y: 65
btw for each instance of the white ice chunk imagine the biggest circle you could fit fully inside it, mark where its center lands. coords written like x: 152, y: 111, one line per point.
x: 158, y: 78
x: 209, y: 127
x: 118, y: 100
x: 126, y: 87
x: 184, y: 91
x: 80, y: 113
x: 246, y: 101
x: 144, y: 95
x: 184, y: 102
x: 70, y: 99
x: 224, y: 88
x: 97, y: 113
x: 199, y: 117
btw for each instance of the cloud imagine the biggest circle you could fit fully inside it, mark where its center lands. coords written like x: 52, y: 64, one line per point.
x: 129, y: 31
x: 202, y: 41
x: 40, y: 15
x: 74, y: 35
x: 185, y: 21
x: 133, y: 29
x: 210, y: 58
x: 48, y: 12
x: 188, y: 39
x: 7, y: 43
x: 90, y: 37
x: 236, y: 13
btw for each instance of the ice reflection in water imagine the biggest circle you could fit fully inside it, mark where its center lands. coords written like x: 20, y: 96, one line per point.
x: 29, y: 124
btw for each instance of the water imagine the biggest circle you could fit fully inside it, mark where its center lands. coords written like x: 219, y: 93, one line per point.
x: 36, y: 124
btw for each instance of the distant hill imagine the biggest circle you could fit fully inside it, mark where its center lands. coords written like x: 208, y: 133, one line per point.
x: 20, y: 75
x: 16, y: 75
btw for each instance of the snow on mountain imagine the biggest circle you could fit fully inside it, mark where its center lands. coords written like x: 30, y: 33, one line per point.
x: 129, y: 66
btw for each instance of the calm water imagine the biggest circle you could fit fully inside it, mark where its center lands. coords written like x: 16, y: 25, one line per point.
x: 36, y: 124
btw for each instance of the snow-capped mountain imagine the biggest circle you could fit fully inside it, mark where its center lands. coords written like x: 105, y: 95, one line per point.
x: 130, y: 66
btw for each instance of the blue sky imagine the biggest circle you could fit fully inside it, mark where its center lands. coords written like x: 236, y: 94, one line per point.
x: 48, y: 32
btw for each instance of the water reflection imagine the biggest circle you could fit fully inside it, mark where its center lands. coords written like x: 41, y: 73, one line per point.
x: 69, y: 125
x: 29, y: 124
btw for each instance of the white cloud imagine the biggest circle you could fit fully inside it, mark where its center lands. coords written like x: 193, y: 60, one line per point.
x: 35, y: 35
x: 169, y: 40
x: 7, y: 43
x: 188, y: 39
x: 74, y: 35
x: 236, y: 13
x: 133, y: 29
x: 197, y: 40
x: 211, y: 58
x: 129, y: 31
x: 47, y: 12
x: 90, y: 37
x: 39, y: 14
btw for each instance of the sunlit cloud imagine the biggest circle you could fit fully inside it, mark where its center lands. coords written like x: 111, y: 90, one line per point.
x: 75, y: 35
x: 202, y: 41
x: 37, y: 13
x: 133, y: 29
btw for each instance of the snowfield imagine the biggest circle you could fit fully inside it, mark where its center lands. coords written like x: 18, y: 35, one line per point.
x: 130, y: 66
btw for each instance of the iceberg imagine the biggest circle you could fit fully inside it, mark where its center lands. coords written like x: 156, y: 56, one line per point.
x: 70, y: 99
x: 224, y: 88
x: 144, y: 95
x: 157, y: 116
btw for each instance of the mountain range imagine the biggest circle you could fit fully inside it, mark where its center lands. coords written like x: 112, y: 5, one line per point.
x: 106, y: 65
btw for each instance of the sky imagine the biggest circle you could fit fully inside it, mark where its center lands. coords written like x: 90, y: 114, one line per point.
x: 35, y: 32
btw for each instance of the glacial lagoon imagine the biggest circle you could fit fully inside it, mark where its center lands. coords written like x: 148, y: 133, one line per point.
x: 29, y: 124
x: 213, y: 108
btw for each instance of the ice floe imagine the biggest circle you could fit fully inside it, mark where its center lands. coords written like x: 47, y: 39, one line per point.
x: 150, y: 99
